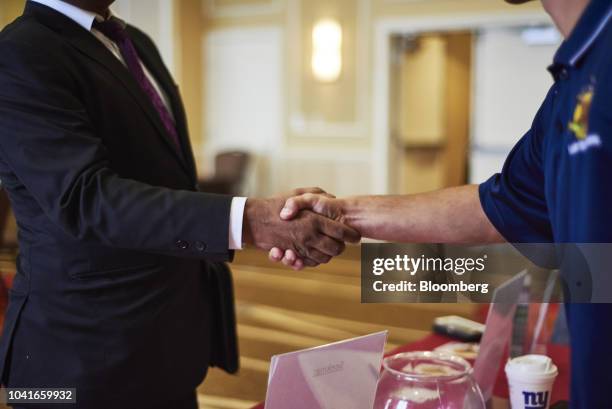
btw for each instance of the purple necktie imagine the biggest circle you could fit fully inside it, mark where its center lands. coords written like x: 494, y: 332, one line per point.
x: 115, y: 30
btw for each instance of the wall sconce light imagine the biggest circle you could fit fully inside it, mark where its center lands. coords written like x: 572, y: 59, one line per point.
x: 327, y: 50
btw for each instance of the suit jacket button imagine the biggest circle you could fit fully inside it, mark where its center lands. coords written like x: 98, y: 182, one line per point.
x: 182, y: 244
x: 200, y: 246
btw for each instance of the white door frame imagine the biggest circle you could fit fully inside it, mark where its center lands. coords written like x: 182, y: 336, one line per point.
x: 384, y: 29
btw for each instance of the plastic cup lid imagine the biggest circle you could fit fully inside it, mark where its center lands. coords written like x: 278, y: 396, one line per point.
x: 529, y: 367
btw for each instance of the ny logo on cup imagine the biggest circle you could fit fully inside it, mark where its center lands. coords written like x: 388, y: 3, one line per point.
x: 536, y: 400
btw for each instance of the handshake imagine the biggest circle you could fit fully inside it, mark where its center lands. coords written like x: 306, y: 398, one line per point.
x: 303, y: 229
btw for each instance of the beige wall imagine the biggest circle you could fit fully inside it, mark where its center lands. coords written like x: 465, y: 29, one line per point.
x: 334, y: 103
x: 328, y: 129
x: 189, y: 34
x: 9, y: 10
x: 327, y: 100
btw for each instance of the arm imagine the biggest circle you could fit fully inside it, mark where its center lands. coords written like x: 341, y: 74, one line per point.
x: 451, y: 215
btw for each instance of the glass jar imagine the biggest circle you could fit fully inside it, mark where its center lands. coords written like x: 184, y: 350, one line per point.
x: 427, y: 380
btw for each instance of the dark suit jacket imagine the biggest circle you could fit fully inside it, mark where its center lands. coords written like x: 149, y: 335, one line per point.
x: 115, y: 292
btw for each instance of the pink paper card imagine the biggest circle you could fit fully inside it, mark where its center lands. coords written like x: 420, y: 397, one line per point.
x: 339, y: 375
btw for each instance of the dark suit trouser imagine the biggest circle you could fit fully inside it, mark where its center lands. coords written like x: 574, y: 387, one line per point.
x: 187, y: 402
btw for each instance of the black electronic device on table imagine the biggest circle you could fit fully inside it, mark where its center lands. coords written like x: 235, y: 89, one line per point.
x: 459, y: 328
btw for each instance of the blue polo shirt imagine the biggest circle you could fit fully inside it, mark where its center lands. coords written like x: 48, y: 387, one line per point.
x: 556, y: 186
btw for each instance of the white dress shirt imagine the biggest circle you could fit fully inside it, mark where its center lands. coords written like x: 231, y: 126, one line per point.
x: 86, y: 19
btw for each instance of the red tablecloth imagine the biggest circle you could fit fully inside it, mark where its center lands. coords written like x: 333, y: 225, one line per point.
x: 558, y: 353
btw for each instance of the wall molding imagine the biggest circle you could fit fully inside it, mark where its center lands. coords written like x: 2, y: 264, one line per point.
x: 298, y: 123
x: 351, y: 155
x: 265, y: 8
x: 264, y: 144
x: 342, y: 172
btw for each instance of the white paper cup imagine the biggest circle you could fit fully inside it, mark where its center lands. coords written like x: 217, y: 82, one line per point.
x: 531, y: 379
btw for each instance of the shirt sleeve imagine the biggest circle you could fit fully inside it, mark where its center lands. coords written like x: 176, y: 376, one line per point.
x: 514, y: 200
x: 235, y: 227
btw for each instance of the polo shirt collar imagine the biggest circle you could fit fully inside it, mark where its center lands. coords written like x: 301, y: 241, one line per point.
x: 593, y: 21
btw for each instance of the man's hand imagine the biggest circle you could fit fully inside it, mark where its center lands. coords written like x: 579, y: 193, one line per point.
x: 313, y: 238
x: 452, y: 215
x: 323, y: 204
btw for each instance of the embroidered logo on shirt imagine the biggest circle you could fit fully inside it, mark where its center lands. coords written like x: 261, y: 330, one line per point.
x: 580, y: 122
x: 579, y: 125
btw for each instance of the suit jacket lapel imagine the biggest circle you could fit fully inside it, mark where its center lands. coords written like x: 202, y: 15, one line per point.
x: 165, y: 81
x: 86, y: 43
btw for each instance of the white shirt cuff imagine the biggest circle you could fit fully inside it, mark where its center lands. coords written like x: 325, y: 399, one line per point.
x: 235, y: 225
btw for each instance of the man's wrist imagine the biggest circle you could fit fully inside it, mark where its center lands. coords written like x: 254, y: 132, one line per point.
x: 349, y: 210
x: 251, y: 214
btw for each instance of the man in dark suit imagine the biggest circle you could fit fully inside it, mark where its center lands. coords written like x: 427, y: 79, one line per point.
x: 120, y: 291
